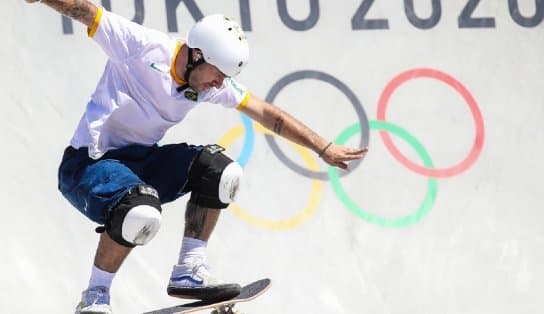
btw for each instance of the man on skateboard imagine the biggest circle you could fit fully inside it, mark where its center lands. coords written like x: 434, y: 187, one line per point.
x: 114, y: 172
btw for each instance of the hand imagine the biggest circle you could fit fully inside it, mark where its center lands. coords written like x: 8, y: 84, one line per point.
x: 337, y: 156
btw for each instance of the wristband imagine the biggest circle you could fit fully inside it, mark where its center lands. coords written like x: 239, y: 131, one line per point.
x: 324, y: 149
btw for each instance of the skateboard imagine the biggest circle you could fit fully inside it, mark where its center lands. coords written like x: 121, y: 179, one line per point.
x: 247, y: 293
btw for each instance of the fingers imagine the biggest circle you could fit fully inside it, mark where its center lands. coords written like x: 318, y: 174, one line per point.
x: 357, y: 151
x: 352, y: 154
x: 339, y: 156
x: 349, y: 157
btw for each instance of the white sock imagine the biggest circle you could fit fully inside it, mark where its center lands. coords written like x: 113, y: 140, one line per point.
x: 192, y: 249
x: 100, y: 277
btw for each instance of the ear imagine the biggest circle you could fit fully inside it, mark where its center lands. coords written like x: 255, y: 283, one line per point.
x: 197, y: 54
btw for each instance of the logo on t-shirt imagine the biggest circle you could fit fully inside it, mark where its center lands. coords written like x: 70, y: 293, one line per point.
x: 191, y: 95
x: 159, y: 68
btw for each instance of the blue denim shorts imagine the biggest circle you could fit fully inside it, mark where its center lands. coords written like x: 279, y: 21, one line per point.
x: 95, y: 186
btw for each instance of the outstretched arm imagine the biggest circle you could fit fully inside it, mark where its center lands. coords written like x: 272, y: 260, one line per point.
x: 80, y: 10
x: 277, y: 120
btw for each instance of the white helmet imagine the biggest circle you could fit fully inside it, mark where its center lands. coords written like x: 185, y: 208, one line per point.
x: 222, y: 42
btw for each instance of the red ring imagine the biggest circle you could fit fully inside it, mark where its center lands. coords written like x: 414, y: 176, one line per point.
x: 476, y: 114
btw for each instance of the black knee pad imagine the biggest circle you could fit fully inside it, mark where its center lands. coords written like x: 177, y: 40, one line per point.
x: 214, y: 178
x: 136, y: 218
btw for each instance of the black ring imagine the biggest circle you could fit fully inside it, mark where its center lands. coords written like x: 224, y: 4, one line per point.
x: 321, y: 76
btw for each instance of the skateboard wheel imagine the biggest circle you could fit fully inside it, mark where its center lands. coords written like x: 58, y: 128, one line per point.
x: 226, y: 309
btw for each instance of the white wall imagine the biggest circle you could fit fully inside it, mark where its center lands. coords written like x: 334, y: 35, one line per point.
x: 477, y: 250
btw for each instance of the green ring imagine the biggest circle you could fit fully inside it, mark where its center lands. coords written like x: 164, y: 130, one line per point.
x: 410, y: 219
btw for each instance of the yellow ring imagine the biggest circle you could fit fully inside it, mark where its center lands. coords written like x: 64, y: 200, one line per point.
x: 299, y: 218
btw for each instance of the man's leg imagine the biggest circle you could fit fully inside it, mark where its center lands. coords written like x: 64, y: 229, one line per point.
x: 108, y: 259
x: 191, y: 277
x: 200, y: 222
x: 109, y: 254
x: 133, y: 221
x: 199, y: 225
x: 213, y: 180
x: 111, y: 194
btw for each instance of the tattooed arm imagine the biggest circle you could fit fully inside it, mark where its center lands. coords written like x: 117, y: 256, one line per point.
x: 80, y: 10
x: 279, y: 121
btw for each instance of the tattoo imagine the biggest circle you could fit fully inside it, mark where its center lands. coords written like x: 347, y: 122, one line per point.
x: 292, y: 129
x: 278, y: 125
x: 195, y: 218
x: 81, y: 10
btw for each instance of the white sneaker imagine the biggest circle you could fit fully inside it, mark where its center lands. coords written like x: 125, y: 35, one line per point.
x: 95, y: 300
x: 193, y: 280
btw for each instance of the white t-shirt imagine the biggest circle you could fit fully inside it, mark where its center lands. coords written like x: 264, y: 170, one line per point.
x: 136, y: 100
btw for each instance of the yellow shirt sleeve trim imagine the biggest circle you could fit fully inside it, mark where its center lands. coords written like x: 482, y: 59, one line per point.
x: 244, y: 101
x: 173, y: 66
x: 91, y: 31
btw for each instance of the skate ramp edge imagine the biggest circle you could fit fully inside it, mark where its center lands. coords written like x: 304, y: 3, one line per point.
x: 442, y: 216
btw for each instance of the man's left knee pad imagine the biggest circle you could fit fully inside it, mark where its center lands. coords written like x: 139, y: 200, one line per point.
x: 137, y: 217
x: 214, y: 178
x: 229, y: 183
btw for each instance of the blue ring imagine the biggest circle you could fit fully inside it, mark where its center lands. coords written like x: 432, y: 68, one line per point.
x: 249, y: 140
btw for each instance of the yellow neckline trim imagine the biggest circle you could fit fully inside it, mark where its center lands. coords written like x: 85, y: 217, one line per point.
x: 92, y: 30
x: 173, y: 66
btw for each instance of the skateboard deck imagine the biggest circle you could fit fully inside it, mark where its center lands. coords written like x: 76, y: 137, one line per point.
x: 247, y: 293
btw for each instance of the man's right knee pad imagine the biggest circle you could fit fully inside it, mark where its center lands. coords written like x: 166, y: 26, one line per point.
x: 137, y: 217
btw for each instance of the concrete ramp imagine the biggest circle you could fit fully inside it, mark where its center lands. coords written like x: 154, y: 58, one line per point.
x: 444, y: 215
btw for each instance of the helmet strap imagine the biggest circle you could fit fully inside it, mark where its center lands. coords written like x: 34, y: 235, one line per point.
x: 191, y: 64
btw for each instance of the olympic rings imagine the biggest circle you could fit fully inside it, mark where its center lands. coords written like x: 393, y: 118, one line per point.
x: 363, y: 120
x: 307, y: 211
x: 248, y: 128
x: 430, y: 196
x: 478, y: 140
